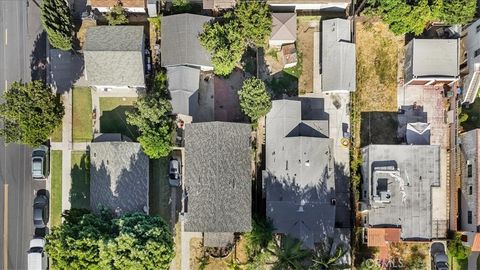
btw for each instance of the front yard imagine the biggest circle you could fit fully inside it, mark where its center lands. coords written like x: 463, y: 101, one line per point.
x: 82, y: 130
x: 56, y: 188
x: 113, y: 118
x: 80, y: 190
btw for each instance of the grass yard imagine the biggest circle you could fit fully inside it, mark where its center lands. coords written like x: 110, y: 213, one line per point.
x: 113, y: 118
x: 57, y: 135
x: 56, y: 188
x: 159, y: 191
x: 82, y: 128
x: 473, y: 113
x: 80, y: 190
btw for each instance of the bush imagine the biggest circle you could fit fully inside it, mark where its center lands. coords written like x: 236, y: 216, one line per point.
x: 463, y: 117
x: 457, y: 249
x: 57, y: 21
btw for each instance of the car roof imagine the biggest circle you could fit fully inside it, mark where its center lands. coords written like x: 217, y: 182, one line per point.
x: 37, y: 242
x: 40, y: 199
x: 441, y: 258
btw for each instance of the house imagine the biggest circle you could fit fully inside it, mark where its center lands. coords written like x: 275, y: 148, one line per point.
x: 330, y: 5
x: 397, y: 190
x: 114, y: 58
x: 183, y: 84
x: 133, y: 6
x: 470, y: 67
x: 338, y: 57
x: 299, y: 183
x: 284, y: 29
x: 469, y: 198
x: 118, y: 176
x: 180, y: 44
x: 218, y: 182
x: 431, y: 61
x: 218, y: 4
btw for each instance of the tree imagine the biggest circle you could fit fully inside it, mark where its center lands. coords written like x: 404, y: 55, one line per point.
x: 458, y: 11
x: 260, y: 236
x: 225, y: 42
x: 117, y: 15
x: 31, y: 112
x: 255, y: 102
x: 327, y: 255
x: 181, y: 6
x: 153, y: 120
x: 255, y: 21
x: 57, y: 22
x: 457, y: 249
x: 289, y: 254
x: 133, y: 241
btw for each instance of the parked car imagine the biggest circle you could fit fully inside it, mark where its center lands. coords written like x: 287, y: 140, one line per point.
x: 174, y: 173
x: 36, y: 258
x: 439, y: 257
x: 40, y: 163
x: 40, y: 211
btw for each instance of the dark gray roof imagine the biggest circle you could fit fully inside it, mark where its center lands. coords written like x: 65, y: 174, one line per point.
x: 217, y: 177
x: 418, y: 133
x: 118, y: 177
x: 180, y: 44
x: 114, y: 56
x: 338, y: 56
x: 299, y: 176
x: 398, y: 181
x: 183, y: 83
x: 431, y: 58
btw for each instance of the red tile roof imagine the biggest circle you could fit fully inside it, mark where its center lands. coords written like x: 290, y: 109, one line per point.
x: 476, y: 243
x: 379, y: 237
x: 111, y: 3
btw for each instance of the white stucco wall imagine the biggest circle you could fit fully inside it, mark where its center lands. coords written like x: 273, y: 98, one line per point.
x: 469, y: 202
x: 472, y: 43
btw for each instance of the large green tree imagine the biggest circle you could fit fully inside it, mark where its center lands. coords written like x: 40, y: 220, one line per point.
x: 57, y: 22
x: 327, y: 256
x: 255, y: 21
x: 255, y: 101
x: 90, y: 241
x: 117, y: 15
x: 458, y: 11
x: 289, y: 254
x: 30, y: 113
x: 153, y: 120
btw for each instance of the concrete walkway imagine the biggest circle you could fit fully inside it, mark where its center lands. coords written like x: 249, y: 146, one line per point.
x: 472, y: 260
x: 185, y: 239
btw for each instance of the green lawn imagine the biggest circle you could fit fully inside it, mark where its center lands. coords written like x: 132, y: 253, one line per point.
x: 80, y: 190
x: 82, y: 128
x: 113, y: 117
x: 295, y: 71
x: 57, y: 134
x: 159, y: 191
x: 56, y: 188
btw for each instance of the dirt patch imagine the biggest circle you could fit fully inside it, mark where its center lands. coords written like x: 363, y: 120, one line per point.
x: 306, y: 26
x: 197, y: 255
x: 81, y: 31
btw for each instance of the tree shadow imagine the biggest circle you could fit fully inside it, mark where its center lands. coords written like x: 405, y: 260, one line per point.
x: 66, y: 68
x: 80, y: 190
x: 38, y: 58
x: 115, y: 121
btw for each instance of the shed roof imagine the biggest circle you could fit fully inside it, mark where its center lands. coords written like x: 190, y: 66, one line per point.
x: 118, y: 177
x: 299, y: 175
x: 418, y: 133
x: 398, y: 180
x: 217, y: 177
x: 432, y: 58
x: 284, y: 26
x: 476, y: 243
x: 180, y: 44
x: 111, y: 3
x: 218, y: 4
x: 114, y: 56
x: 338, y: 56
x: 183, y: 84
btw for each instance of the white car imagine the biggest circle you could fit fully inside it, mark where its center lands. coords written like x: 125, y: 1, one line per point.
x: 37, y: 258
x: 174, y: 173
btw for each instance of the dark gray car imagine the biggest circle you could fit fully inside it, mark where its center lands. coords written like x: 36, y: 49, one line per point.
x: 40, y: 211
x: 40, y: 163
x: 440, y: 258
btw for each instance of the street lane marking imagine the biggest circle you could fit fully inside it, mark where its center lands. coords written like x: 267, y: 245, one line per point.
x: 5, y: 227
x: 6, y: 36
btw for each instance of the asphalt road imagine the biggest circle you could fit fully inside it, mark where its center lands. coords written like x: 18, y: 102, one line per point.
x: 19, y: 29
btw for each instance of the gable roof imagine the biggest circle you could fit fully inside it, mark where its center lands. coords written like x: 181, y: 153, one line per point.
x: 118, y: 177
x: 217, y: 177
x: 180, y: 44
x: 284, y: 26
x: 299, y: 175
x: 183, y: 84
x: 418, y: 133
x: 338, y: 56
x: 111, y: 3
x: 114, y: 56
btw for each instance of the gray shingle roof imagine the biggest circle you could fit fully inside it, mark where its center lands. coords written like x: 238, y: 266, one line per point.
x: 338, y: 56
x: 431, y: 58
x: 284, y: 26
x: 299, y: 176
x: 183, y: 84
x: 114, y: 56
x: 118, y: 176
x: 217, y: 177
x: 405, y: 175
x: 418, y: 133
x: 180, y: 44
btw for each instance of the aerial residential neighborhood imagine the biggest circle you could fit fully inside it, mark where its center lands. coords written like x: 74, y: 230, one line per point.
x: 240, y: 135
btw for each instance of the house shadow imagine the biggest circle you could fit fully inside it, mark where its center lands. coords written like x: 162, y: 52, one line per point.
x: 343, y: 211
x: 80, y: 189
x: 66, y: 69
x: 379, y: 128
x: 313, y: 109
x: 115, y: 121
x: 38, y: 58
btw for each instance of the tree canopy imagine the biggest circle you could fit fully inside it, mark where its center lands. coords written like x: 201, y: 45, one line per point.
x: 227, y: 38
x: 117, y: 15
x: 57, y: 21
x: 153, y: 120
x: 89, y: 241
x: 255, y: 101
x: 412, y: 17
x: 31, y: 112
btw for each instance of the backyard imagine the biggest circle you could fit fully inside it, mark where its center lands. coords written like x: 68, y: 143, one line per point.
x: 113, y: 118
x: 306, y: 27
x: 198, y: 255
x: 159, y: 191
x: 82, y: 130
x: 80, y: 190
x: 56, y: 188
